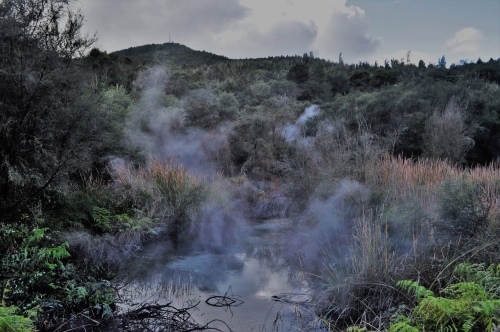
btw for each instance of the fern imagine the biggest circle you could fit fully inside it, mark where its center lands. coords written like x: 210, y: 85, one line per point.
x: 102, y: 217
x: 413, y: 286
x: 37, y: 235
x: 471, y: 304
x: 488, y: 278
x: 10, y: 322
x: 402, y: 324
x: 56, y: 254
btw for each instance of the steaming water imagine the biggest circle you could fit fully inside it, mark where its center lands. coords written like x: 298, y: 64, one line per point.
x: 253, y: 272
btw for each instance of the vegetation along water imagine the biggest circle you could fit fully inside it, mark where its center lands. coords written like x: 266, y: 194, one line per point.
x: 160, y: 188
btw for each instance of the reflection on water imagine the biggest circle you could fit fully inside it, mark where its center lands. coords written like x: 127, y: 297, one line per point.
x: 274, y: 297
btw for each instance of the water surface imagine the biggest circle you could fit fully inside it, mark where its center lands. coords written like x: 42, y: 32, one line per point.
x: 261, y: 291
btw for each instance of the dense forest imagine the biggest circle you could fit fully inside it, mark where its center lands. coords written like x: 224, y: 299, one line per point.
x: 396, y: 168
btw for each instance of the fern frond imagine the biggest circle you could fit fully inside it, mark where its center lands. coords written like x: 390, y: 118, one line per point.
x: 413, y: 287
x: 403, y: 327
x: 37, y: 234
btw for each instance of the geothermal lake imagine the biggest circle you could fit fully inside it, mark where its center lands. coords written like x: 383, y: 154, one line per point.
x: 268, y: 295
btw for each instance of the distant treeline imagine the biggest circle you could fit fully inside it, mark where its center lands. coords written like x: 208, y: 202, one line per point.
x: 394, y: 97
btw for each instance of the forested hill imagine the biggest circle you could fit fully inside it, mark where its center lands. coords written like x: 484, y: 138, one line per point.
x: 172, y: 52
x: 394, y: 97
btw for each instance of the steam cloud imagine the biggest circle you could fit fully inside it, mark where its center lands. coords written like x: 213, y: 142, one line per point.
x: 293, y: 131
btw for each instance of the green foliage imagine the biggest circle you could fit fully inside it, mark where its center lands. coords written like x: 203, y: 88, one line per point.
x: 339, y: 83
x: 163, y: 192
x: 413, y: 287
x: 284, y: 88
x: 360, y: 79
x: 52, y: 127
x: 10, y: 321
x: 179, y: 190
x: 260, y: 92
x: 101, y: 217
x: 38, y: 280
x: 229, y: 106
x: 298, y: 73
x: 471, y: 304
x: 383, y: 77
x: 202, y: 108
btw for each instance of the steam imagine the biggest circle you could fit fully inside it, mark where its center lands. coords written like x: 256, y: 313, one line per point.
x: 160, y: 130
x: 293, y: 132
x: 326, y: 224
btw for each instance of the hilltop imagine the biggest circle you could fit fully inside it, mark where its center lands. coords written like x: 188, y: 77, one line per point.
x: 176, y: 53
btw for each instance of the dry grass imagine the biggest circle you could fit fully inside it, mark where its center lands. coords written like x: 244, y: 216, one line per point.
x: 360, y: 288
x: 162, y: 190
x: 108, y: 249
x: 405, y: 181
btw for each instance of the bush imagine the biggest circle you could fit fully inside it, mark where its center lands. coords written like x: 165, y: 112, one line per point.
x: 40, y: 280
x: 358, y: 286
x: 229, y: 106
x: 284, y: 88
x: 463, y: 209
x: 260, y: 92
x: 202, y: 108
x: 446, y: 135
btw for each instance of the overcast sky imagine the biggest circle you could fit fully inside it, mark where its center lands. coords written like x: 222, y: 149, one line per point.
x: 363, y: 30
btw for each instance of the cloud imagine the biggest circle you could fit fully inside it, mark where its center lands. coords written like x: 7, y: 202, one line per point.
x: 284, y: 38
x: 347, y: 32
x: 235, y: 28
x: 127, y: 23
x: 465, y: 41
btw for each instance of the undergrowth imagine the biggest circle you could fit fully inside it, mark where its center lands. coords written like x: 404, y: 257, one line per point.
x: 10, y: 321
x: 470, y: 302
x: 39, y: 279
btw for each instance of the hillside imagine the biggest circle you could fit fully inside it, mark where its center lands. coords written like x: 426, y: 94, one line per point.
x: 173, y: 52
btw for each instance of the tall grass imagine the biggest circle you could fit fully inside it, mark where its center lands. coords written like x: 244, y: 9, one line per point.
x: 405, y: 181
x: 456, y: 211
x: 162, y: 190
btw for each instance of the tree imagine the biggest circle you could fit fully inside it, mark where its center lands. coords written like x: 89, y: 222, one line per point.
x: 447, y: 135
x: 49, y: 119
x: 298, y: 73
x: 421, y: 64
x: 202, y: 108
x: 441, y: 62
x: 360, y: 78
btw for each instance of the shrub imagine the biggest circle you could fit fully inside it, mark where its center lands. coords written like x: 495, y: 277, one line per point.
x: 463, y: 209
x: 284, y: 88
x: 298, y: 73
x: 202, y: 108
x: 39, y: 279
x: 446, y: 135
x: 229, y: 106
x: 347, y: 153
x: 260, y: 91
